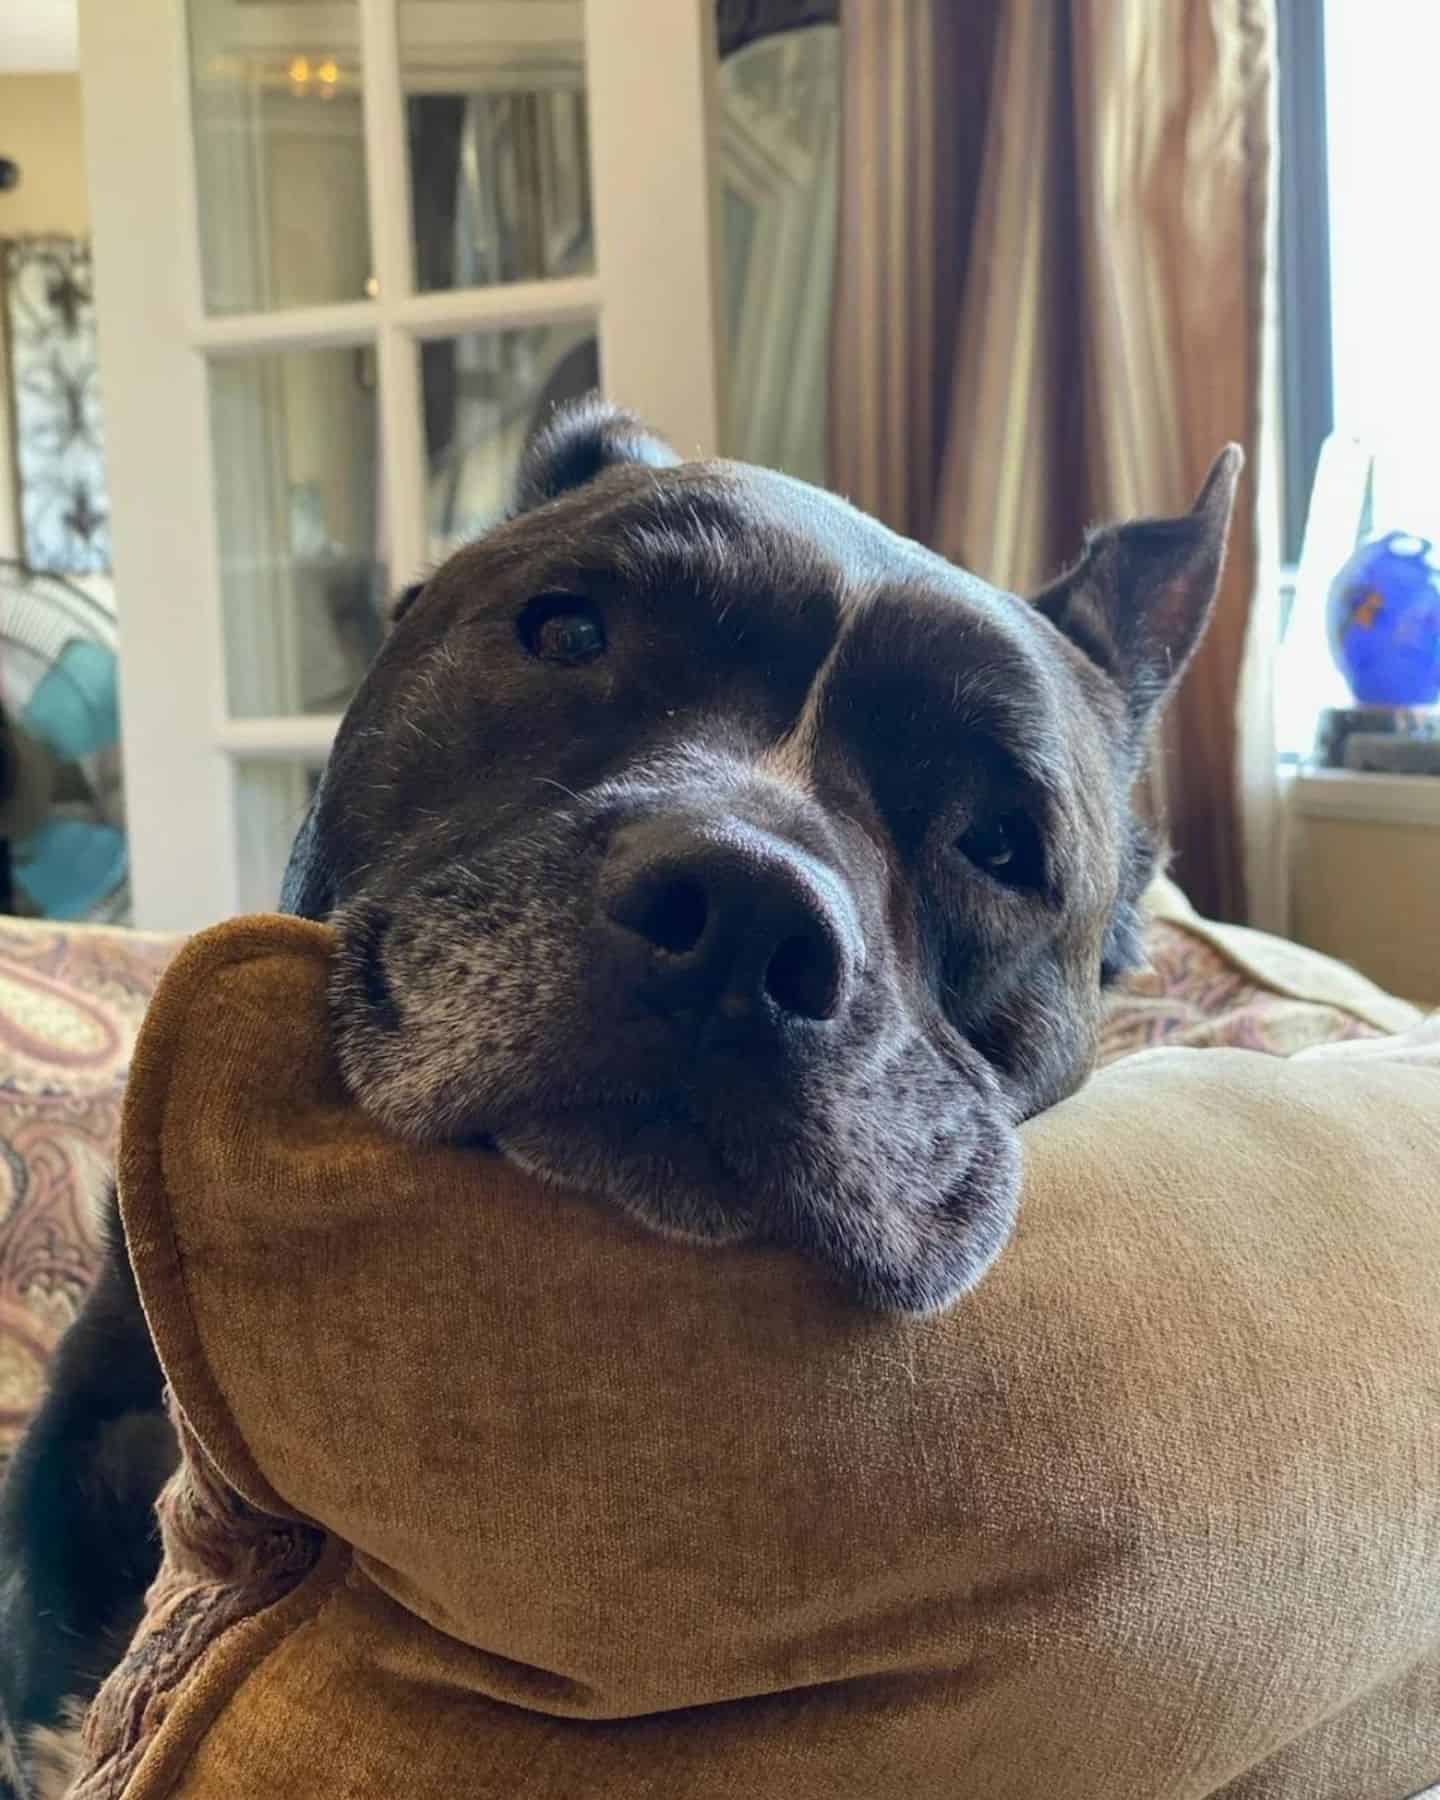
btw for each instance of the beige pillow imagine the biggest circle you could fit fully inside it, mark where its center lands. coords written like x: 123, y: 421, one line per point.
x: 1154, y: 1513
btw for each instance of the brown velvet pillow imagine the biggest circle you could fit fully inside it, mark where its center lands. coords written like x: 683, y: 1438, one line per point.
x: 1154, y: 1513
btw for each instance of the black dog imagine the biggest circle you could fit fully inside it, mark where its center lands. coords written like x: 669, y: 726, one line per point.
x: 699, y: 843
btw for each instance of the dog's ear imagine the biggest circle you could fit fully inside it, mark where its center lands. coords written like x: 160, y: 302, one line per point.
x: 1138, y: 601
x: 308, y: 886
x: 578, y: 441
x: 404, y: 600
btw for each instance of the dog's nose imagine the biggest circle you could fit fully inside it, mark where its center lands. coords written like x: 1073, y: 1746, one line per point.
x: 731, y: 920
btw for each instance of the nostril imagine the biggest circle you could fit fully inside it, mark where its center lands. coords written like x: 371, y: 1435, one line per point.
x: 672, y: 916
x: 720, y: 918
x: 803, y: 976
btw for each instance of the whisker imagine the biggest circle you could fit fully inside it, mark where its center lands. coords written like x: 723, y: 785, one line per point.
x: 549, y: 781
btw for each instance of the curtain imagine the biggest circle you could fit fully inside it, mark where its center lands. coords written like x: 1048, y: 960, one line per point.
x: 1052, y: 309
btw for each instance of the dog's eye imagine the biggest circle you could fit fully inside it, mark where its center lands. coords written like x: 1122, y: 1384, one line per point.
x: 562, y: 628
x: 1007, y: 848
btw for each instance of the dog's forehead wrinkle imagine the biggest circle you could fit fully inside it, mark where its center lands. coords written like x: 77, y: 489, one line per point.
x: 792, y: 758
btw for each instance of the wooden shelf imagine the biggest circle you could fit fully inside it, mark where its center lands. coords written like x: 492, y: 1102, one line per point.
x: 1347, y: 794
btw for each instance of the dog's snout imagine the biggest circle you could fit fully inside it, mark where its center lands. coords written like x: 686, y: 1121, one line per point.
x: 731, y: 920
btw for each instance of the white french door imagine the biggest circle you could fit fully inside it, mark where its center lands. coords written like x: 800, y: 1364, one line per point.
x: 346, y: 250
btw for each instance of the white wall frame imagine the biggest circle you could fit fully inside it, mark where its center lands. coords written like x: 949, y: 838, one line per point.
x: 652, y: 70
x: 180, y: 802
x: 656, y: 296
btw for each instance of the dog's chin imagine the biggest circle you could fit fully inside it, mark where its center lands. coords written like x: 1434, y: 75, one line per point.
x: 908, y: 1208
x: 664, y: 1172
x: 910, y: 1245
x: 896, y: 1167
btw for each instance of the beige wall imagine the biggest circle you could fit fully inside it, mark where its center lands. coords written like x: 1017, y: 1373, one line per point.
x: 40, y: 130
x: 1366, y: 891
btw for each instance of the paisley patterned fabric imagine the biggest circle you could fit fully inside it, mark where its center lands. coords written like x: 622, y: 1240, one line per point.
x: 1192, y: 994
x: 71, y: 999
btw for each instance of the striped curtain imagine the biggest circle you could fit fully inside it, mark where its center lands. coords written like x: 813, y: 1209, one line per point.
x: 1051, y: 310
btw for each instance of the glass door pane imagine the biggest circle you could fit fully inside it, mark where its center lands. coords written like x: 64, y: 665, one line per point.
x: 498, y: 140
x: 778, y: 167
x: 485, y: 392
x: 279, y: 126
x: 270, y: 803
x: 302, y: 577
x: 358, y: 382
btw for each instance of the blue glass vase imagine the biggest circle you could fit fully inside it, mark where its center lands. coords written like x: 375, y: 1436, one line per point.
x: 1384, y: 621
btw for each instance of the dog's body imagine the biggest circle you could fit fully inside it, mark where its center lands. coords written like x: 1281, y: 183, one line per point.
x: 696, y: 842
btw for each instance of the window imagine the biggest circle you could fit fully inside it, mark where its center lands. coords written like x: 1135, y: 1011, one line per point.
x: 1359, y: 238
x: 1359, y: 290
x: 1382, y: 119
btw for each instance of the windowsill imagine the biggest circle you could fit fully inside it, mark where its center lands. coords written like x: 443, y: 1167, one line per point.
x: 1378, y: 799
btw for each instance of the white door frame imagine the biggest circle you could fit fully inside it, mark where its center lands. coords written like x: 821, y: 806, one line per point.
x: 656, y: 296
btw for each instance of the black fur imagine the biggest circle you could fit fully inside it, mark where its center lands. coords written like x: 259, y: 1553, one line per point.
x: 580, y: 442
x: 77, y: 1531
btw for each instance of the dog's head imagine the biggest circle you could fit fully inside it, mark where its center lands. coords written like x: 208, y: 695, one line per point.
x: 697, y: 842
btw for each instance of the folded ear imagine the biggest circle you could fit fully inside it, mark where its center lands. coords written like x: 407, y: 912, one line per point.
x: 1138, y: 601
x: 580, y: 439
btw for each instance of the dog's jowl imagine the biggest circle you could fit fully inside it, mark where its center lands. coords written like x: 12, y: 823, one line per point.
x: 698, y: 843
